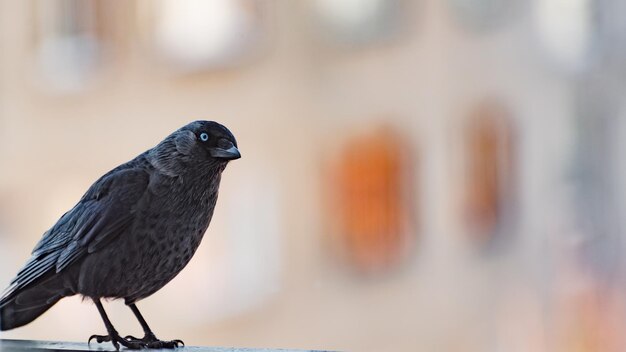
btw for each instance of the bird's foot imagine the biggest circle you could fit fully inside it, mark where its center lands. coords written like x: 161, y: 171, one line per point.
x: 150, y: 341
x: 117, y: 340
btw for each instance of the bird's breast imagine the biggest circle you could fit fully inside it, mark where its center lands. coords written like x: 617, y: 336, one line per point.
x: 165, y: 234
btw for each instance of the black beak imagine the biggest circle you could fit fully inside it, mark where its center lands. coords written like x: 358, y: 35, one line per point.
x: 231, y: 153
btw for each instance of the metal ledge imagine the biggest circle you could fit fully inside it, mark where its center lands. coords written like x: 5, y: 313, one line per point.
x: 28, y: 345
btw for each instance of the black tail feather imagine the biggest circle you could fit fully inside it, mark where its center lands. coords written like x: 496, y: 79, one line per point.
x: 26, y: 304
x: 13, y: 315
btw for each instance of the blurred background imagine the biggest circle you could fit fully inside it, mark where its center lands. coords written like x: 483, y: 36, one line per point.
x: 433, y: 175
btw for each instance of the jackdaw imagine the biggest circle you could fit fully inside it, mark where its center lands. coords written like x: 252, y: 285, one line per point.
x: 132, y: 232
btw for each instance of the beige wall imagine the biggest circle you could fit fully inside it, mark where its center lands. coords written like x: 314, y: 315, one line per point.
x: 263, y: 276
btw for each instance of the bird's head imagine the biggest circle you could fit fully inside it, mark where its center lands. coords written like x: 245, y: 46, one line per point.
x: 200, y: 143
x: 209, y: 140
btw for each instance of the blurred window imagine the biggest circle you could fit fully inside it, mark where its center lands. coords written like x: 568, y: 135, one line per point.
x: 480, y: 15
x: 371, y: 197
x: 489, y: 172
x: 69, y: 35
x: 355, y: 21
x: 199, y: 34
x: 566, y: 30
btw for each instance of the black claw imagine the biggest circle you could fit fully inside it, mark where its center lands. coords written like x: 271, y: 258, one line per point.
x: 116, y: 340
x: 99, y: 338
x: 131, y: 342
x: 165, y: 344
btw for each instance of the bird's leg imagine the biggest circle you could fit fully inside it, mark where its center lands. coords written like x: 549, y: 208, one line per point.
x: 150, y: 340
x: 112, y: 336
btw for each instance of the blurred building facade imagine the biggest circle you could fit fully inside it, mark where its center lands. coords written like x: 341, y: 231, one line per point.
x: 495, y: 187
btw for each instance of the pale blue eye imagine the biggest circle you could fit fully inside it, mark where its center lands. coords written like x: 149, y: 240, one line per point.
x: 204, y: 137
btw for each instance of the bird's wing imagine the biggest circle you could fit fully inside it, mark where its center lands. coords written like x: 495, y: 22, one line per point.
x: 105, y: 211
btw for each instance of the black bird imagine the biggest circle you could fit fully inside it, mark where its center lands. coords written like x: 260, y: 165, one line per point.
x: 132, y: 232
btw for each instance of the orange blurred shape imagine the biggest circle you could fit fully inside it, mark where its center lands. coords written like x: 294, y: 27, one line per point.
x: 489, y: 177
x: 592, y: 320
x: 370, y: 194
